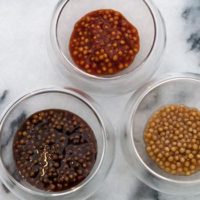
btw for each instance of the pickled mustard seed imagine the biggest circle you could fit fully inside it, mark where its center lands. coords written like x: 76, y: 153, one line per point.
x: 104, y: 42
x: 54, y: 150
x: 172, y: 138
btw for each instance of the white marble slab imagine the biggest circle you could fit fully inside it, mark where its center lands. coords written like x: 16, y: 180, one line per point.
x: 25, y: 66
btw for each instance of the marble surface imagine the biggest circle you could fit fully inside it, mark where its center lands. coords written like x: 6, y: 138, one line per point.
x: 25, y: 66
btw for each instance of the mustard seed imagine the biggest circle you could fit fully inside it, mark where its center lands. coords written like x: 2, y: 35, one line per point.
x: 107, y: 34
x: 59, y: 146
x: 172, y: 134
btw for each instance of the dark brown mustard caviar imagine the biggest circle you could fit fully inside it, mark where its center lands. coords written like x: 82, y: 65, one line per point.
x: 54, y: 150
x: 172, y: 138
x: 104, y: 42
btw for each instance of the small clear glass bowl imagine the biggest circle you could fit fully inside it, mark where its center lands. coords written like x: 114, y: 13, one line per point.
x: 55, y: 98
x: 141, y: 13
x: 171, y: 89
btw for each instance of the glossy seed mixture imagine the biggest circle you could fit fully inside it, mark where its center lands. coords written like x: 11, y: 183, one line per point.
x: 54, y: 150
x: 172, y: 138
x: 104, y: 42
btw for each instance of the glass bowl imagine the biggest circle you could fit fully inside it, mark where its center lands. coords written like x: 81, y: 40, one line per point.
x: 53, y: 98
x: 143, y: 14
x: 171, y: 89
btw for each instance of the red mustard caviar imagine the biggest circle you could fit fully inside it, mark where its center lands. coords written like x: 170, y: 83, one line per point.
x: 104, y: 42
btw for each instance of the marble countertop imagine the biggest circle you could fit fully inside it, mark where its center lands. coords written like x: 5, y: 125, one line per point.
x: 23, y: 32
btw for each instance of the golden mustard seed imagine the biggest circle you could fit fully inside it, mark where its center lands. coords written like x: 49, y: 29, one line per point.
x: 172, y: 138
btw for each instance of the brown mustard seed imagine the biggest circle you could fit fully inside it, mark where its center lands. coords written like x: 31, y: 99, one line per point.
x: 104, y: 39
x: 176, y: 128
x: 57, y: 152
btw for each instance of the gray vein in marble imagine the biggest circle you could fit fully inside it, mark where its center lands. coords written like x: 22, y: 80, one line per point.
x: 153, y: 98
x: 186, y: 13
x: 181, y: 96
x: 5, y: 189
x: 13, y: 126
x: 3, y: 96
x: 194, y: 40
x: 145, y: 192
x: 191, y: 14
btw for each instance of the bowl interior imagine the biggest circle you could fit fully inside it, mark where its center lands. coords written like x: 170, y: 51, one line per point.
x: 137, y: 12
x: 37, y: 102
x: 175, y: 91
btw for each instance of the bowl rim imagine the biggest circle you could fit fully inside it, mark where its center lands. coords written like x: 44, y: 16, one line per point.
x: 142, y: 93
x: 89, y: 102
x: 68, y: 65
